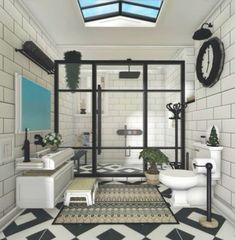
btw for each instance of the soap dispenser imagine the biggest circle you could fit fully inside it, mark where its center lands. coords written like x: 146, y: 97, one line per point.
x: 26, y: 147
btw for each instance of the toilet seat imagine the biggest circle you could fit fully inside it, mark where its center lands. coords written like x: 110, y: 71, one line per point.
x: 178, y: 179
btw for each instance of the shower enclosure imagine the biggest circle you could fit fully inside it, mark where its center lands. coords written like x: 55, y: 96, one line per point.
x: 108, y: 120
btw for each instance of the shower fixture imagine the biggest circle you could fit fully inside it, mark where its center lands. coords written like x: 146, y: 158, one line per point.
x: 125, y: 132
x: 129, y: 74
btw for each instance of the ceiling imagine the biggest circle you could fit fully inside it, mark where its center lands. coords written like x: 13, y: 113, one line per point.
x: 177, y: 21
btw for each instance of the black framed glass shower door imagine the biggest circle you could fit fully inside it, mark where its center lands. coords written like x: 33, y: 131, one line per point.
x: 108, y: 120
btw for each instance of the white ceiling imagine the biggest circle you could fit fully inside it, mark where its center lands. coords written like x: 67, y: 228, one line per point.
x: 177, y: 22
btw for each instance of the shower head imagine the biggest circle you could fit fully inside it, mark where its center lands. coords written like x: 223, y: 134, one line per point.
x: 129, y: 74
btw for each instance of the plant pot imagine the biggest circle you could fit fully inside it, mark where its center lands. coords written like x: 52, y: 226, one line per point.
x: 152, y: 178
x: 72, y: 70
x: 53, y: 148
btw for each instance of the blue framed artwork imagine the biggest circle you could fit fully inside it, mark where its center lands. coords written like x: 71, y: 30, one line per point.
x: 33, y: 108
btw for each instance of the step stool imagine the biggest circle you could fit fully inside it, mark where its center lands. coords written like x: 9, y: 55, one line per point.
x: 81, y: 188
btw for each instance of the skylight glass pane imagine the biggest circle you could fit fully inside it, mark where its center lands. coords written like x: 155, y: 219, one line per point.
x: 142, y: 11
x: 85, y: 3
x: 97, y: 11
x: 152, y: 3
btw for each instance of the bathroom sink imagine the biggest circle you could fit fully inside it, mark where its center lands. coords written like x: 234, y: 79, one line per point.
x: 35, y: 163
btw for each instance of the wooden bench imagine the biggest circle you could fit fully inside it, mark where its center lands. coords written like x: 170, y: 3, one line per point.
x: 81, y: 188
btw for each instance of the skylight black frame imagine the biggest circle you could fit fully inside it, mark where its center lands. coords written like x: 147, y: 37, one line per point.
x: 120, y: 11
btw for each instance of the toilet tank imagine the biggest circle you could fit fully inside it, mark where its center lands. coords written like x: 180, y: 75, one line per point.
x: 204, y: 151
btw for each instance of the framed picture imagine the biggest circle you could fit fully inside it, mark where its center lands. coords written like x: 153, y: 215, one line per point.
x: 33, y: 105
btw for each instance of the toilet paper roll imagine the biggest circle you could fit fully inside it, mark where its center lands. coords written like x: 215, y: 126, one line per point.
x: 203, y: 162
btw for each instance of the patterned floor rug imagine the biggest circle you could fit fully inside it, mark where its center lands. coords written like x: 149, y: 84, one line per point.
x: 120, y: 203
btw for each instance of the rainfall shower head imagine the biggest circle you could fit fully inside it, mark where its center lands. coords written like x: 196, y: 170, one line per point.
x: 129, y: 74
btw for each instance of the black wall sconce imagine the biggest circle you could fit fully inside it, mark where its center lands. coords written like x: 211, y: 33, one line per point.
x: 203, y: 33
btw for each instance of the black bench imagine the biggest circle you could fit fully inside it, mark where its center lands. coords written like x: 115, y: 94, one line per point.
x: 78, y: 154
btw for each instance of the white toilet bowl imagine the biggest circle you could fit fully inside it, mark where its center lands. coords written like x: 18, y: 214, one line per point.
x: 188, y: 188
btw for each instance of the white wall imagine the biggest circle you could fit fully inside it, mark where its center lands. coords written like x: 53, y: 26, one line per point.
x: 16, y: 27
x: 216, y: 105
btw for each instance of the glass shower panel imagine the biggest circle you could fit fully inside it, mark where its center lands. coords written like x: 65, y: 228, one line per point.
x: 116, y: 161
x: 68, y: 72
x: 108, y: 77
x: 75, y: 118
x: 122, y: 119
x: 164, y: 77
x: 161, y: 129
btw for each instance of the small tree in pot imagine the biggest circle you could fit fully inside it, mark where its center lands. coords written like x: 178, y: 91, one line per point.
x: 152, y: 157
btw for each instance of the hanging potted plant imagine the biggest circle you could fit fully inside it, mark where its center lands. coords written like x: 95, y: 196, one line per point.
x: 72, y: 70
x: 152, y: 157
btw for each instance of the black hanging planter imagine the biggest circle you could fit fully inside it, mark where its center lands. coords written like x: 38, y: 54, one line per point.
x: 72, y: 69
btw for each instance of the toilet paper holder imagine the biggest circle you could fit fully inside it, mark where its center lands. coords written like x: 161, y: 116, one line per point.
x: 209, y: 221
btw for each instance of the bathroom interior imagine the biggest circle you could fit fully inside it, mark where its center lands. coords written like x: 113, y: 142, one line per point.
x: 152, y: 75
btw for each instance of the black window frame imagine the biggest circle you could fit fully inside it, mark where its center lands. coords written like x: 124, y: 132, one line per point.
x: 145, y: 90
x: 120, y: 12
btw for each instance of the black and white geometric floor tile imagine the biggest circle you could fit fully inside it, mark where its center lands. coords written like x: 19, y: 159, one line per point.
x: 36, y: 224
x: 111, y: 169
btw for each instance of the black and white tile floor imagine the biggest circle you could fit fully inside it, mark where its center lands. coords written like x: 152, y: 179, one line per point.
x: 112, y: 169
x: 36, y: 224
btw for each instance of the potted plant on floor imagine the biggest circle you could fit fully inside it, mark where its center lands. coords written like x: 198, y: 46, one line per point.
x: 152, y: 157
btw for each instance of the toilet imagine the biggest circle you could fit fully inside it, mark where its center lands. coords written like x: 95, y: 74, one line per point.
x: 189, y: 186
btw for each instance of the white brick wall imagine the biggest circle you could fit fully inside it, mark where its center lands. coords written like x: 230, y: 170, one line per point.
x: 216, y: 104
x: 16, y: 27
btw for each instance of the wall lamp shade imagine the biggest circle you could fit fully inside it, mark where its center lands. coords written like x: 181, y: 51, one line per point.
x: 203, y: 33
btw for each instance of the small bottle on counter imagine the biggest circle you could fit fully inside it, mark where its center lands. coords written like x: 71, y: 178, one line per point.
x: 203, y: 139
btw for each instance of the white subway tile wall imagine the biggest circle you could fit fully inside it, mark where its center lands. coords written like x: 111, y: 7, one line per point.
x: 216, y: 104
x: 16, y: 27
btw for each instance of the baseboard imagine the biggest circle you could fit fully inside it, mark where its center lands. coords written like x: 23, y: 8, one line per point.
x: 9, y: 217
x: 224, y: 210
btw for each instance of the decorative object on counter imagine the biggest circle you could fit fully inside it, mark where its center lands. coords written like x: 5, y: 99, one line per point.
x: 203, y: 139
x: 153, y: 156
x: 176, y: 109
x: 213, y: 139
x: 26, y: 147
x: 53, y: 140
x: 85, y: 139
x: 72, y: 69
x: 39, y: 140
x: 83, y: 107
x: 210, y: 62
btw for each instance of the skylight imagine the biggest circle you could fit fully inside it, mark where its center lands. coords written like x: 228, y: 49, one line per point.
x: 144, y: 10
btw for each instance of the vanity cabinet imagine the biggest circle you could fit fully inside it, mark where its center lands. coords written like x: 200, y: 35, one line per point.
x: 43, y: 188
